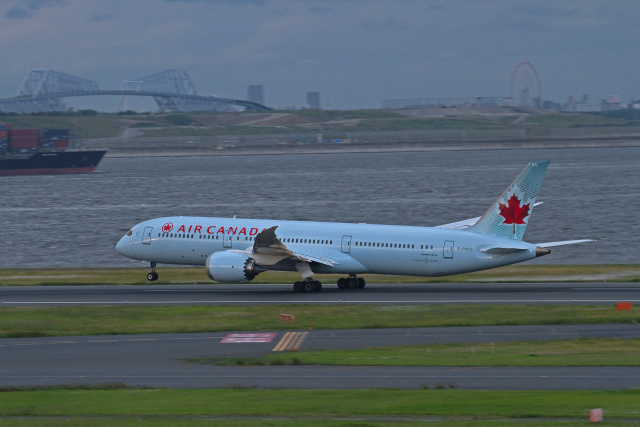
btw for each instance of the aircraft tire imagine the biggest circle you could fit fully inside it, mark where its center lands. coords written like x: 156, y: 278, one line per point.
x: 152, y: 277
x: 361, y: 283
x: 309, y: 286
x: 352, y: 283
x: 317, y: 286
x: 342, y: 283
x: 298, y: 287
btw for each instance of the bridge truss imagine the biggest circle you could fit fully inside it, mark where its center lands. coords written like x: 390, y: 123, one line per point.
x: 173, y: 91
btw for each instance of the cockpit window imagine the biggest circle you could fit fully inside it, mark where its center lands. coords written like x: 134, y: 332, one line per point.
x: 129, y: 233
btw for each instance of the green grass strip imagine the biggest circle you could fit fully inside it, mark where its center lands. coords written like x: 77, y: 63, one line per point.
x: 579, y: 352
x: 61, y: 321
x: 319, y: 403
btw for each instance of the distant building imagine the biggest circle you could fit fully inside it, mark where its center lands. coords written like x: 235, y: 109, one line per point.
x: 255, y: 93
x: 612, y: 103
x: 313, y: 100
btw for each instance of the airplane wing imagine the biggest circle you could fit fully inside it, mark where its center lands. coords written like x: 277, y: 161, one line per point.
x: 466, y: 223
x: 267, y: 243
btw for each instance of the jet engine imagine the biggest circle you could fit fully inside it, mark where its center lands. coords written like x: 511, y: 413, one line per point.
x: 229, y: 266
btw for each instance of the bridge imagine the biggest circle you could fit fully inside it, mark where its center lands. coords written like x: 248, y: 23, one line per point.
x: 173, y: 91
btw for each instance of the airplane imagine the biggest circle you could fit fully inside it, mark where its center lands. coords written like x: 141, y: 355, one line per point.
x: 237, y: 250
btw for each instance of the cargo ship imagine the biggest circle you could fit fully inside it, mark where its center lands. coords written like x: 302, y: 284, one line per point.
x: 26, y: 152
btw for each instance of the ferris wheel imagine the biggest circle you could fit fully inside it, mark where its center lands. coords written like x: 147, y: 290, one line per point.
x: 525, y: 86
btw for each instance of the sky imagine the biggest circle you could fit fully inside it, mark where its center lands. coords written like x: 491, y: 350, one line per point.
x: 356, y: 53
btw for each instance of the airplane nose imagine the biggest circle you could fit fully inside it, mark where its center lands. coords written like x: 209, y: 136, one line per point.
x: 125, y: 246
x: 120, y: 246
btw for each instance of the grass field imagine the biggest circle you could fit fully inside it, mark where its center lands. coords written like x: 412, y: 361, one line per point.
x: 579, y: 352
x: 435, y: 403
x: 312, y: 407
x: 114, y: 320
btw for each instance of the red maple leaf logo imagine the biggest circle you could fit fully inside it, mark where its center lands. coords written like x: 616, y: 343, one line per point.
x: 512, y: 212
x: 167, y: 227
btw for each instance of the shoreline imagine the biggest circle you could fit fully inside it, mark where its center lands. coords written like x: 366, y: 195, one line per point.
x: 346, y: 148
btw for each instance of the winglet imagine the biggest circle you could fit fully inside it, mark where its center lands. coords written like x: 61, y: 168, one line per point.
x: 510, y: 213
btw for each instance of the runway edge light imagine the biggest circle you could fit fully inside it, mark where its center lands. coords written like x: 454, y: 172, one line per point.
x: 287, y: 318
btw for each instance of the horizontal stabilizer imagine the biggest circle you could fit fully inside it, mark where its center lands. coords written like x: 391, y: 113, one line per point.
x: 460, y: 225
x: 566, y: 242
x: 501, y: 251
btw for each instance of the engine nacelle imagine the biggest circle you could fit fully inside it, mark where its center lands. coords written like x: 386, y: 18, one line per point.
x: 227, y: 266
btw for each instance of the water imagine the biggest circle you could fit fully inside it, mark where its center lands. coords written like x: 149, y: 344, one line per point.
x: 76, y: 220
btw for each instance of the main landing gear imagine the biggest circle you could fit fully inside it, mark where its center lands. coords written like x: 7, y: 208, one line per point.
x: 307, y: 286
x: 152, y: 276
x: 351, y: 282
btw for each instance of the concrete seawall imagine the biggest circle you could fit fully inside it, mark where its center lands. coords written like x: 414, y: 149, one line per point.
x: 381, y: 148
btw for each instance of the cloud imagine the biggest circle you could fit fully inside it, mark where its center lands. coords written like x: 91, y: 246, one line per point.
x: 18, y: 13
x: 27, y: 9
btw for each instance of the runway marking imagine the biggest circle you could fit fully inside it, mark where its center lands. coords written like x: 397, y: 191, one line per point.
x: 607, y: 289
x: 290, y: 340
x: 248, y: 338
x: 196, y: 338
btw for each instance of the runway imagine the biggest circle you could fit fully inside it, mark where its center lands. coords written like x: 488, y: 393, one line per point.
x: 161, y: 361
x: 596, y: 293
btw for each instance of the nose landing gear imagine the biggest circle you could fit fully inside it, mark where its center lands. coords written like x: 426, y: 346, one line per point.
x: 152, y: 276
x: 351, y: 282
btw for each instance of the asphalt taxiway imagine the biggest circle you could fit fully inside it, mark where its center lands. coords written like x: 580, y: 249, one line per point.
x: 163, y: 360
x: 581, y: 293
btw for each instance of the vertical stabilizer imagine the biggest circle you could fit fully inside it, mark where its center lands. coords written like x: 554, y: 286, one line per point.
x: 509, y: 215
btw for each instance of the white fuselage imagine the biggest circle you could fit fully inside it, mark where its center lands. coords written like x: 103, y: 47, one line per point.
x: 352, y: 248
